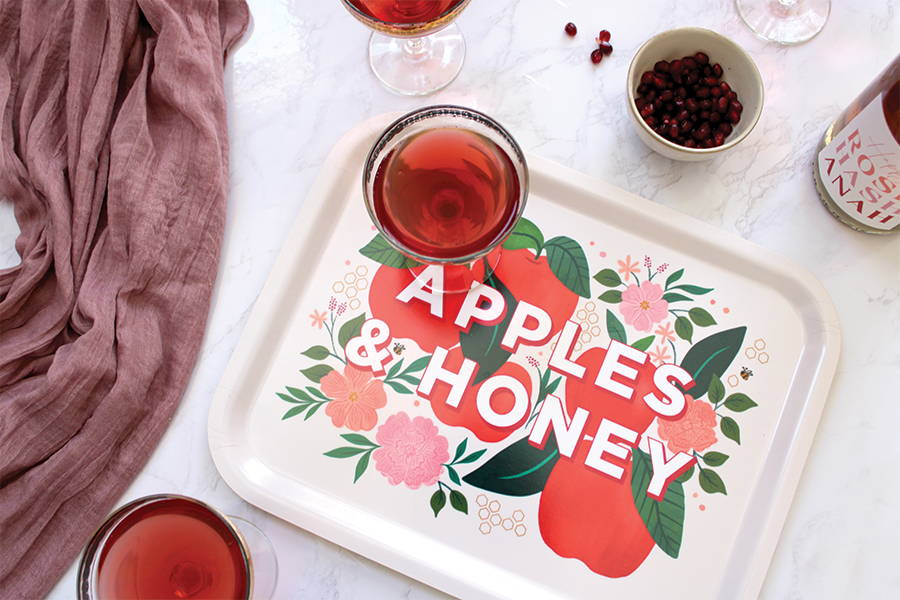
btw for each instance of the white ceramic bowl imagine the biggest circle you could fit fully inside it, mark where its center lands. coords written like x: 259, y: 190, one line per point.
x: 739, y: 71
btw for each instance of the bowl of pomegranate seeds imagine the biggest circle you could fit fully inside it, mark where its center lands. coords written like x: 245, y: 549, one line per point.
x: 693, y: 93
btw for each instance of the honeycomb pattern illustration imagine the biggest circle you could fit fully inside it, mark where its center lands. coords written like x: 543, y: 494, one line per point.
x: 492, y: 520
x: 757, y: 351
x: 351, y: 285
x: 589, y: 320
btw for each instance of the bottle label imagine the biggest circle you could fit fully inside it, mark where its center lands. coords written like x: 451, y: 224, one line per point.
x: 860, y: 169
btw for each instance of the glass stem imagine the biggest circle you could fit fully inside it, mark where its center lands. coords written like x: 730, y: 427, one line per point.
x: 415, y: 48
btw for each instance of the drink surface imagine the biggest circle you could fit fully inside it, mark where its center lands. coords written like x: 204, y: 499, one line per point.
x: 172, y: 549
x: 406, y: 12
x: 446, y: 193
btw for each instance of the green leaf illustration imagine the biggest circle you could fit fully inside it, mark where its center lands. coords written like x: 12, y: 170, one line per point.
x: 482, y: 342
x: 418, y: 365
x: 665, y: 518
x: 643, y: 343
x: 472, y: 457
x: 287, y: 398
x: 611, y: 296
x: 317, y: 393
x: 739, y: 402
x: 674, y: 277
x: 615, y: 328
x: 569, y: 264
x: 361, y: 465
x: 676, y: 297
x: 553, y: 385
x: 609, y: 278
x: 711, y: 356
x: 714, y: 459
x: 438, y: 501
x: 299, y: 394
x: 701, y: 317
x: 459, y: 502
x: 316, y: 352
x: 379, y: 250
x: 693, y: 289
x: 730, y: 428
x: 312, y: 411
x: 350, y: 329
x: 686, y: 476
x: 344, y: 452
x: 711, y: 482
x: 294, y: 411
x: 395, y: 368
x: 716, y: 390
x: 683, y: 328
x: 520, y: 469
x: 454, y: 476
x: 359, y: 440
x: 525, y: 235
x: 460, y: 449
x: 315, y: 373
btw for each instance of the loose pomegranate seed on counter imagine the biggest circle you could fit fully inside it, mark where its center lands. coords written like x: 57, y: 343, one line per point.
x: 571, y: 29
x: 685, y: 100
x: 604, y: 36
x: 605, y: 48
x: 596, y: 56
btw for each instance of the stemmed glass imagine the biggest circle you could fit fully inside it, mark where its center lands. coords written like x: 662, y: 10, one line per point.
x: 415, y: 48
x: 154, y: 547
x: 785, y: 21
x: 445, y: 185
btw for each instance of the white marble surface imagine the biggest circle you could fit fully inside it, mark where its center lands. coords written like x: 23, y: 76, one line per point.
x: 301, y: 80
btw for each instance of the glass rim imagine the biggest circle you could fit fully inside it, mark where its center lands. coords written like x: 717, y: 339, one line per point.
x: 359, y: 14
x: 87, y: 565
x: 422, y: 113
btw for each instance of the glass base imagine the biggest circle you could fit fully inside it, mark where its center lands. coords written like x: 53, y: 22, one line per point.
x: 418, y: 66
x: 785, y: 21
x: 458, y: 279
x: 263, y: 562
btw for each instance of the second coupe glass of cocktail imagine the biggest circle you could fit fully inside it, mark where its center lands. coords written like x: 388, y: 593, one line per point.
x: 415, y: 48
x: 446, y: 185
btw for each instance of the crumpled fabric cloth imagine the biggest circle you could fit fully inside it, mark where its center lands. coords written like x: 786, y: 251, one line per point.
x: 113, y: 153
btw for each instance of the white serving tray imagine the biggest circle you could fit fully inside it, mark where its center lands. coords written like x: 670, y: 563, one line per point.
x: 791, y: 344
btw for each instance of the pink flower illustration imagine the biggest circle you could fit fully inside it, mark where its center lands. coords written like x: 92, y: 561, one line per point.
x: 665, y: 332
x: 355, y: 398
x: 412, y: 451
x: 627, y: 268
x: 318, y: 319
x: 643, y: 305
x: 695, y: 430
x: 660, y: 354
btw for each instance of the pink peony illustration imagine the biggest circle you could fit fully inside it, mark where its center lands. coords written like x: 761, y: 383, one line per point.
x: 643, y: 305
x: 695, y: 430
x: 412, y: 451
x: 355, y: 396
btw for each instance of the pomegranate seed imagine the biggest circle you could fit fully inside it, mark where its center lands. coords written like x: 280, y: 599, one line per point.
x: 708, y: 143
x: 650, y: 120
x: 604, y: 36
x: 717, y: 70
x: 691, y: 105
x: 734, y: 116
x: 732, y: 95
x: 719, y: 138
x: 682, y: 115
x: 711, y: 81
x: 735, y: 105
x: 706, y: 104
x: 650, y: 95
x: 722, y: 104
x: 640, y: 103
x: 647, y: 77
x: 692, y: 79
x: 725, y: 128
x: 676, y: 66
x: 661, y: 66
x: 715, y: 92
x: 715, y: 117
x: 724, y: 87
x: 597, y: 56
x: 704, y: 115
x: 706, y: 70
x: 689, y: 63
x: 690, y: 143
x: 702, y: 92
x: 685, y: 127
x: 571, y: 29
x: 701, y: 58
x: 606, y: 48
x: 673, y: 130
x: 667, y: 95
x: 703, y: 131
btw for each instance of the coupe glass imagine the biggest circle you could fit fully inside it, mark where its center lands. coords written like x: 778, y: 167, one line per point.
x: 415, y: 48
x: 258, y: 555
x: 785, y: 21
x: 459, y: 269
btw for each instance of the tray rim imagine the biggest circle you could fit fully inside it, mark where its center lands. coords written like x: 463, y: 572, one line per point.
x: 228, y: 458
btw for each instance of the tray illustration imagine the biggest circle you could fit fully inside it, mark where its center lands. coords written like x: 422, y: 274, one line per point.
x: 534, y: 438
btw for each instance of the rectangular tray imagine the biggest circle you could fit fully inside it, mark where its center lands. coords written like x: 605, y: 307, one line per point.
x: 497, y: 548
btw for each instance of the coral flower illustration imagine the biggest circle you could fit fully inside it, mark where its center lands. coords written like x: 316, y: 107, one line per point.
x: 627, y: 268
x: 355, y: 398
x: 695, y: 430
x: 643, y: 305
x: 412, y: 451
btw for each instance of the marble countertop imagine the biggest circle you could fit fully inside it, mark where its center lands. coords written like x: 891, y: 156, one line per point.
x: 301, y: 79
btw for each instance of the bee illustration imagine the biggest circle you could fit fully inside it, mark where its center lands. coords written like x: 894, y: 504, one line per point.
x: 399, y: 348
x: 746, y: 373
